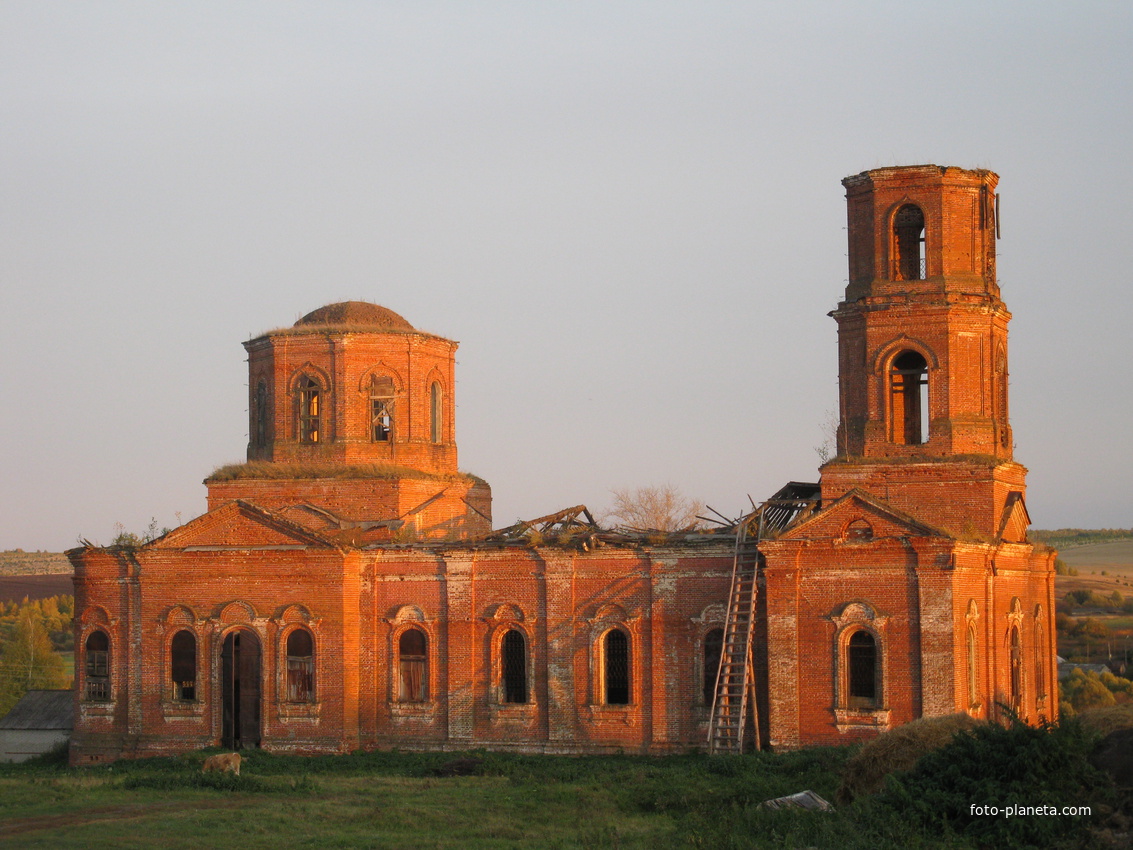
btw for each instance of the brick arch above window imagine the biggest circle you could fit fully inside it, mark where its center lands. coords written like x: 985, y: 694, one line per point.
x: 884, y: 355
x: 505, y: 612
x: 180, y: 615
x: 237, y: 612
x: 311, y: 371
x: 380, y: 371
x: 408, y: 614
x: 294, y: 613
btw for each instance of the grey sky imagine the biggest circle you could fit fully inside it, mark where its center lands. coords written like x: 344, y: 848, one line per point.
x: 629, y: 214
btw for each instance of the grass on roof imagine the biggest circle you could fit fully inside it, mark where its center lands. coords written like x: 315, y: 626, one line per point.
x: 269, y: 470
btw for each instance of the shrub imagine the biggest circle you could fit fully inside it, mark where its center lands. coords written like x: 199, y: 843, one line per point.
x: 1003, y: 766
x: 897, y: 749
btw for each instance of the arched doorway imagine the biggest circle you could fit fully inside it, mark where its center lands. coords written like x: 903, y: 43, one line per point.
x: 240, y: 690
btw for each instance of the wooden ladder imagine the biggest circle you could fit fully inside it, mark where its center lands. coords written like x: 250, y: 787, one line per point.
x: 735, y: 681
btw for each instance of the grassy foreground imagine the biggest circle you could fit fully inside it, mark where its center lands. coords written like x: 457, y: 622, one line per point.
x: 396, y: 800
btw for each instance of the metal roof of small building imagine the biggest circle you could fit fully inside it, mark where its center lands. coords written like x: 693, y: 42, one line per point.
x: 42, y: 710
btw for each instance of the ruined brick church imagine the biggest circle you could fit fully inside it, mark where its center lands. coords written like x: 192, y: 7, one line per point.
x: 345, y: 588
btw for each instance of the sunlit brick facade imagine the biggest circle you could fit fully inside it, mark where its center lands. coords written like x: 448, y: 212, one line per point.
x: 343, y: 592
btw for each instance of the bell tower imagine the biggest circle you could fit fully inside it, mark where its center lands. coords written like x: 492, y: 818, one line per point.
x: 922, y: 349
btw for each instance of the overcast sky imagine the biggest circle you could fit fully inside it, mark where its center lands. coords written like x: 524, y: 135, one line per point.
x: 628, y: 213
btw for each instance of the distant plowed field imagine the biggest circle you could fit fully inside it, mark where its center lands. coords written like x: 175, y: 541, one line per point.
x: 15, y: 588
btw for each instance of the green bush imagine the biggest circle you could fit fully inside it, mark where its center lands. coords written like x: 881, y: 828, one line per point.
x: 996, y: 766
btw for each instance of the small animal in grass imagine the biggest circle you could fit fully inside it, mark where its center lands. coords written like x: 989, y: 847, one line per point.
x: 222, y: 763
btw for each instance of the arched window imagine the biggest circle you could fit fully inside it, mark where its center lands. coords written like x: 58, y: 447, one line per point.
x: 616, y: 662
x: 713, y: 651
x: 859, y: 531
x: 381, y: 409
x: 310, y: 410
x: 1040, y: 661
x: 260, y: 432
x: 183, y: 665
x: 436, y: 413
x: 1001, y: 396
x: 908, y: 243
x: 300, y: 667
x: 973, y: 669
x: 1016, y: 669
x: 413, y: 666
x: 861, y: 662
x: 908, y: 399
x: 513, y: 659
x: 98, y: 666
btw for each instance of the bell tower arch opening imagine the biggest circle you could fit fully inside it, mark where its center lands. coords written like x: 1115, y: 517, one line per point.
x: 908, y: 243
x: 908, y: 399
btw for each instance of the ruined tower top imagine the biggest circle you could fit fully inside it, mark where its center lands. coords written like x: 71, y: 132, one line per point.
x: 922, y: 229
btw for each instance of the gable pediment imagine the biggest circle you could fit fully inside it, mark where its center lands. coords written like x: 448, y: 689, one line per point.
x: 241, y: 525
x: 1013, y: 527
x: 858, y: 516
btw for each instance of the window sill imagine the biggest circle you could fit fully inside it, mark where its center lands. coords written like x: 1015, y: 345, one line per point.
x: 413, y: 710
x: 299, y: 710
x: 182, y: 708
x: 623, y: 714
x: 854, y: 719
x: 513, y: 712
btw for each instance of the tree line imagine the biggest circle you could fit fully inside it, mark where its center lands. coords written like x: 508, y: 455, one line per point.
x: 33, y: 634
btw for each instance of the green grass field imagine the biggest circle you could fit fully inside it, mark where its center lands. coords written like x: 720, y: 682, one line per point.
x: 391, y: 800
x: 397, y: 800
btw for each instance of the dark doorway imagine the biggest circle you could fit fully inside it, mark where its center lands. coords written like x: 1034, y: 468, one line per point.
x: 240, y: 687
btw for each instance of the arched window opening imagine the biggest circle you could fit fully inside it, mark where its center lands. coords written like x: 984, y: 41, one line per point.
x: 1040, y: 663
x: 436, y: 411
x: 514, y: 661
x: 310, y: 410
x: 300, y: 667
x: 1016, y: 669
x: 908, y: 243
x: 1001, y: 396
x: 183, y: 665
x: 617, y: 667
x: 260, y: 433
x: 713, y: 651
x: 381, y: 409
x: 98, y: 666
x: 413, y: 661
x: 859, y: 531
x: 908, y: 399
x: 973, y: 669
x: 862, y: 662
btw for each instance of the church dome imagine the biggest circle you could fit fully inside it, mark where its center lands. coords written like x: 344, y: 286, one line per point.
x: 355, y: 314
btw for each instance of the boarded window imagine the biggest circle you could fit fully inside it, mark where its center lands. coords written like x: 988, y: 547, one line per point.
x: 973, y: 668
x: 617, y: 667
x: 381, y: 409
x: 260, y: 430
x: 98, y: 666
x: 436, y: 413
x: 908, y: 399
x: 413, y: 665
x: 1016, y: 669
x: 183, y: 665
x: 300, y: 667
x: 713, y: 651
x: 310, y: 410
x: 908, y: 243
x: 862, y: 663
x: 514, y: 659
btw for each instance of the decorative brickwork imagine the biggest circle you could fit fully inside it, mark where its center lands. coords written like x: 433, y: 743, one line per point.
x: 342, y: 591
